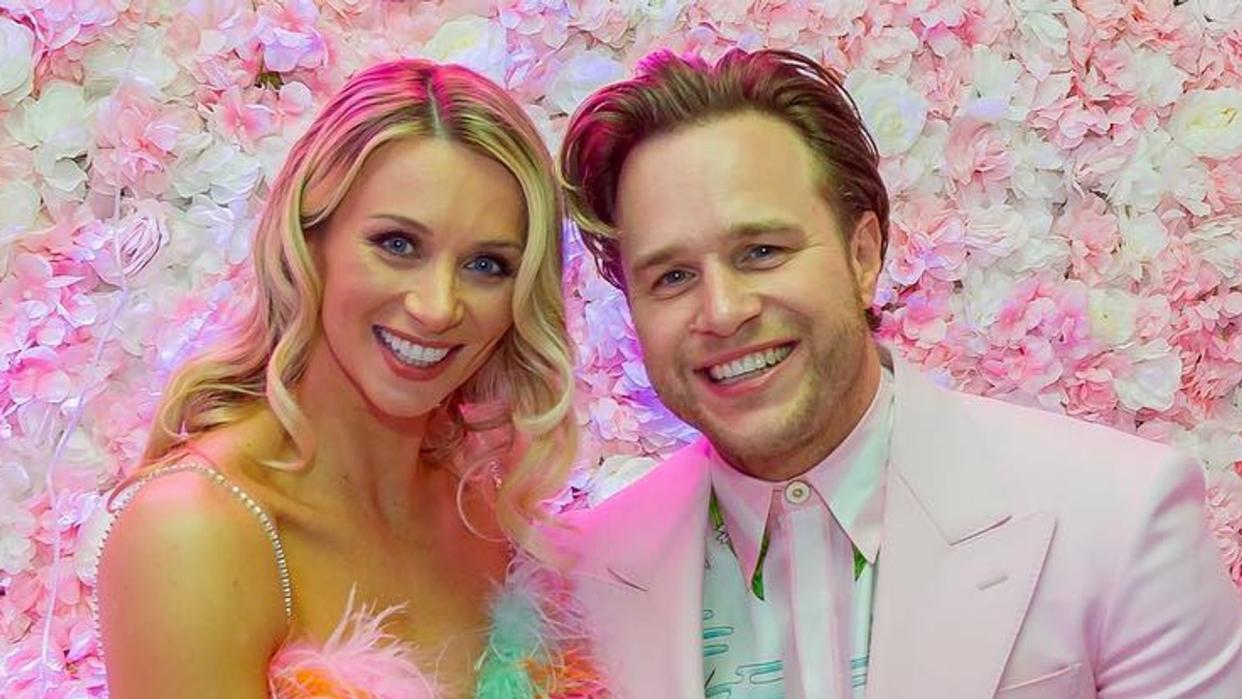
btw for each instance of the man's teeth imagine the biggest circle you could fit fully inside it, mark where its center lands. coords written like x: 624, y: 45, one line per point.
x: 410, y: 353
x: 751, y: 362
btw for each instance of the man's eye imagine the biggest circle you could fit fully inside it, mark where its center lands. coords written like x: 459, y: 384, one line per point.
x: 672, y: 278
x: 763, y: 256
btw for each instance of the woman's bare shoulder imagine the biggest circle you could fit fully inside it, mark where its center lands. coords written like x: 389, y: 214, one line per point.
x: 187, y: 582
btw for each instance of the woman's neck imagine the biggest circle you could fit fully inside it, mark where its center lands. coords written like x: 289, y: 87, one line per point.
x: 363, y: 460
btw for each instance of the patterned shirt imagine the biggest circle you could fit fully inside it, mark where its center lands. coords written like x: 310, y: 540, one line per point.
x: 790, y: 571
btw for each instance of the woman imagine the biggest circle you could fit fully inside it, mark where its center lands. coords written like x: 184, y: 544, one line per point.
x: 328, y: 460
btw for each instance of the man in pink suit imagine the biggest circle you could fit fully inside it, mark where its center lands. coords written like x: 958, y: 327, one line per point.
x: 846, y: 528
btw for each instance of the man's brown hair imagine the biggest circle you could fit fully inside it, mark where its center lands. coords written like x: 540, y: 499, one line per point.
x: 671, y: 92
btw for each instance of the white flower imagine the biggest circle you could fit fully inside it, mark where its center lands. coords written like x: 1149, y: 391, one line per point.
x: 1187, y: 179
x: 1043, y: 20
x: 996, y: 82
x: 1037, y: 167
x: 19, y: 207
x: 893, y: 112
x: 1218, y: 444
x: 56, y: 122
x: 17, y: 528
x: 1142, y: 238
x: 1040, y: 250
x: 1209, y: 122
x: 272, y: 150
x: 996, y: 231
x: 472, y: 41
x: 16, y: 60
x: 207, y: 237
x: 1113, y: 315
x: 1219, y: 242
x: 984, y: 292
x: 105, y: 63
x: 64, y: 176
x: 221, y: 169
x: 1157, y: 168
x: 916, y: 169
x: 1154, y: 379
x: 1156, y: 80
x: 580, y: 76
x: 1218, y: 16
x: 223, y: 226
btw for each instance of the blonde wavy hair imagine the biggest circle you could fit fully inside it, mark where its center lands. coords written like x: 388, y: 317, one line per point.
x: 530, y: 372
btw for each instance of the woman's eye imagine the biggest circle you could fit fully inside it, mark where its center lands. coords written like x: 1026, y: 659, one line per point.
x: 489, y: 266
x: 395, y: 243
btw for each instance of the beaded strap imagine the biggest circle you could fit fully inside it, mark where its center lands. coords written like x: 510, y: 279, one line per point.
x: 193, y: 463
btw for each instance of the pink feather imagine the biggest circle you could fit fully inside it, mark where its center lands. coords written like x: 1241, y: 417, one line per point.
x: 359, y: 660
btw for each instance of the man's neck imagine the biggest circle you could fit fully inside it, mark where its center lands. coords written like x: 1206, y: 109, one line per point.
x: 843, y: 421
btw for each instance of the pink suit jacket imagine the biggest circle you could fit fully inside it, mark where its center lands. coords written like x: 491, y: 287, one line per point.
x: 1025, y: 556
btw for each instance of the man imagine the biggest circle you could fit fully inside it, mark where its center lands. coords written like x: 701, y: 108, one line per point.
x: 863, y: 530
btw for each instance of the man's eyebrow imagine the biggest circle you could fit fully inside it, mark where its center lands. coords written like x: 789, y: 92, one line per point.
x: 742, y: 231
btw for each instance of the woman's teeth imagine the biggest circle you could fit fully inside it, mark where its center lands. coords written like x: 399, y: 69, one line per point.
x: 410, y: 353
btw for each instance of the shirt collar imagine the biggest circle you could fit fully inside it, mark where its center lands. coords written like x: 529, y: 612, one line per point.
x: 849, y: 480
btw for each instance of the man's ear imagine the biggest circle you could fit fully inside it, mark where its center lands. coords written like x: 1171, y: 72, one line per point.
x: 865, y: 257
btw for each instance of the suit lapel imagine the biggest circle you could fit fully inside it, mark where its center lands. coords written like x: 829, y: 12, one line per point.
x: 640, y: 577
x: 958, y: 563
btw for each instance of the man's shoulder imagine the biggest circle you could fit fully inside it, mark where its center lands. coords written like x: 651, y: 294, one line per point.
x: 1059, y: 462
x: 669, y: 483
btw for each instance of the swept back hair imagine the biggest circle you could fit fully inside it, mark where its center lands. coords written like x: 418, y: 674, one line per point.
x: 671, y: 92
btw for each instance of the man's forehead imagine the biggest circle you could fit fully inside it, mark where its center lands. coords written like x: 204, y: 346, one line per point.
x: 747, y: 146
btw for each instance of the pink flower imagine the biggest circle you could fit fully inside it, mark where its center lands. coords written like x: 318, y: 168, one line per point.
x: 136, y: 139
x: 244, y: 117
x: 977, y: 153
x: 1023, y: 311
x: 922, y: 316
x: 124, y: 248
x: 1224, y: 510
x: 603, y: 20
x: 1029, y: 367
x: 288, y: 36
x: 1225, y: 189
x: 1093, y: 235
x: 926, y: 238
x: 1089, y: 387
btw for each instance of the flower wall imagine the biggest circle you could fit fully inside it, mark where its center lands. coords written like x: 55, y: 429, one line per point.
x: 1067, y: 220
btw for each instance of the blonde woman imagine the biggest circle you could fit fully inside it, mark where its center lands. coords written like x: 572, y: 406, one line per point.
x: 317, y: 515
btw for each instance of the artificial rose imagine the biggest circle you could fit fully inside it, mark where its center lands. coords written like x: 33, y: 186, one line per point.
x: 1209, y: 122
x: 892, y: 110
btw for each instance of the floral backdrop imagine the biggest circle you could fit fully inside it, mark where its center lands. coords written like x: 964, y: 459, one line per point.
x: 1066, y: 176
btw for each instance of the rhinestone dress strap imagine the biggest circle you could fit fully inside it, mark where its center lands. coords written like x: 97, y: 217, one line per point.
x: 197, y: 464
